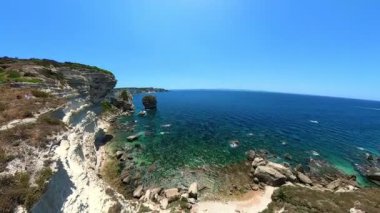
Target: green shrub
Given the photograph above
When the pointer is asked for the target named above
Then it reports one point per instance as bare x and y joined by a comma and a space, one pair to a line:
27, 114
48, 119
125, 95
3, 107
28, 80
53, 75
106, 106
13, 74
40, 94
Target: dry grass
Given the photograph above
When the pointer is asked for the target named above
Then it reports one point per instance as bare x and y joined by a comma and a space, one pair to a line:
19, 103
298, 199
111, 174
33, 134
16, 190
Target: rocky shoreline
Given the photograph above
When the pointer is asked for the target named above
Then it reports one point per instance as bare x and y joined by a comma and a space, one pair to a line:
91, 176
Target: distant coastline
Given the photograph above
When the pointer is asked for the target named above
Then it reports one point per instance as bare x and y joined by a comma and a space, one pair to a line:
138, 90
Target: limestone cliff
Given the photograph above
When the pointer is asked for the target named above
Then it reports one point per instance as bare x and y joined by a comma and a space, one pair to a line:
49, 119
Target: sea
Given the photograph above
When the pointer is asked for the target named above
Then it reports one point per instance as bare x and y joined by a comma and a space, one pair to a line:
193, 129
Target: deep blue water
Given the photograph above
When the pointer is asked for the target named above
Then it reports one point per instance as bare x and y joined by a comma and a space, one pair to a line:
204, 122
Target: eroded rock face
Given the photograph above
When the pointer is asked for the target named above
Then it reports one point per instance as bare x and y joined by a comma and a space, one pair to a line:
123, 100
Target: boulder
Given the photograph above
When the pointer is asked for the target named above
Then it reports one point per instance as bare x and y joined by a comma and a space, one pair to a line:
193, 190
192, 200
270, 176
172, 194
258, 161
119, 154
185, 196
164, 203
251, 154
147, 196
256, 180
303, 178
374, 177
126, 180
299, 168
334, 184
123, 157
284, 170
138, 192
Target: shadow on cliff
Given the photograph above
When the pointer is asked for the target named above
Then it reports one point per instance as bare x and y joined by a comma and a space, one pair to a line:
59, 188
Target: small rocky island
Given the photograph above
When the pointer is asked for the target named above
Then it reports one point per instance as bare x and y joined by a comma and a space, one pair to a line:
57, 155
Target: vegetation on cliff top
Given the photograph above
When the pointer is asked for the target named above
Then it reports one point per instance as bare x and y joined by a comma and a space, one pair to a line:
47, 63
19, 103
302, 199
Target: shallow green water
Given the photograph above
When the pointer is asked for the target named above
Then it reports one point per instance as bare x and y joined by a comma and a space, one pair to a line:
192, 129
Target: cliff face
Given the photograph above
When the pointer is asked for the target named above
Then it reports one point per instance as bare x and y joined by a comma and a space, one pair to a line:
49, 122
62, 79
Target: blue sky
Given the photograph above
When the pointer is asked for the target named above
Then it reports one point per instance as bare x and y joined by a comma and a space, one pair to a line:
323, 47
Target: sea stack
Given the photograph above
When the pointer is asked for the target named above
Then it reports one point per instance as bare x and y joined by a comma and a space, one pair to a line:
149, 102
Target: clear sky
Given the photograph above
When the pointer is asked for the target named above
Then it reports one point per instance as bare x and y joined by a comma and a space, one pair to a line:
323, 47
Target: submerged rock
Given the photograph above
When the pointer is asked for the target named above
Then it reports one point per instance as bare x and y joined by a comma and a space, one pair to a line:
234, 143
143, 113
369, 157
134, 137
287, 156
251, 154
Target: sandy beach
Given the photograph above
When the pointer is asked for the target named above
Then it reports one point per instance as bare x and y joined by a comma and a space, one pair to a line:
252, 202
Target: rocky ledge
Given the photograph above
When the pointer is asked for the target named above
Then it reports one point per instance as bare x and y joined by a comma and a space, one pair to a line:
319, 174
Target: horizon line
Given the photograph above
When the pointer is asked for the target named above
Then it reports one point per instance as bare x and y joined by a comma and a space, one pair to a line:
252, 90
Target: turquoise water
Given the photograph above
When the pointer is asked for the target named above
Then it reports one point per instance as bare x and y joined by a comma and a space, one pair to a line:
191, 129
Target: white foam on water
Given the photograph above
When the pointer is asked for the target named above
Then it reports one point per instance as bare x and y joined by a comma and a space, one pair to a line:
314, 121
314, 153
